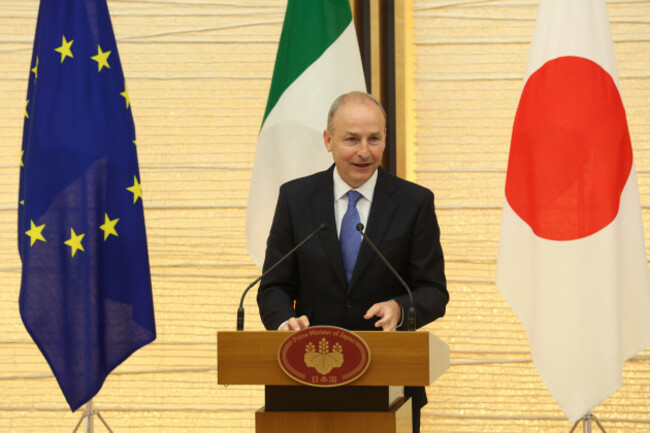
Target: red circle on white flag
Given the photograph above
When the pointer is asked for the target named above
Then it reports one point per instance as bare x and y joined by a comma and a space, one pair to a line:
570, 155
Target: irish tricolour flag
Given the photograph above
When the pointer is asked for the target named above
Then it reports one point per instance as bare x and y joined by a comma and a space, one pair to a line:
318, 59
572, 262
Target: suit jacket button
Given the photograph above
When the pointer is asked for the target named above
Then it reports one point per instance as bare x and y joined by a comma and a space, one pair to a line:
348, 304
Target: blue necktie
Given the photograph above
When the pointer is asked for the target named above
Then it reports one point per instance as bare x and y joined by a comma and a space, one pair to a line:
350, 237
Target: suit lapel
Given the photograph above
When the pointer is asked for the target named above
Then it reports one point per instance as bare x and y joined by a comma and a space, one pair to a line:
321, 204
381, 213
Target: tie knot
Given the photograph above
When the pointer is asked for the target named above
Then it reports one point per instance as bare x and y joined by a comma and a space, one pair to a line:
353, 198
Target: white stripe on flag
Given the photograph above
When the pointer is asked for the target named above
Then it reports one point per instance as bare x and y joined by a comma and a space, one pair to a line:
290, 144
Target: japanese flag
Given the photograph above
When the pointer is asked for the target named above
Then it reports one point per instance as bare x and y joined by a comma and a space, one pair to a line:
572, 262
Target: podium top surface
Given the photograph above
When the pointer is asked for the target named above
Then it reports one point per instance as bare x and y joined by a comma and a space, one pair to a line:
397, 358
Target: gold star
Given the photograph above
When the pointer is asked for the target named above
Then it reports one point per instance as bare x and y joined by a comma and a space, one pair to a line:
26, 104
135, 189
134, 142
22, 202
22, 153
35, 233
125, 94
75, 242
109, 226
64, 49
35, 68
101, 58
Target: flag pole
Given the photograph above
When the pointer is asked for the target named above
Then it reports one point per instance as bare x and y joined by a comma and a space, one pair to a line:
89, 413
586, 420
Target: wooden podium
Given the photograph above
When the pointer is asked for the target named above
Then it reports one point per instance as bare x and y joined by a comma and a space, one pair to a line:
374, 403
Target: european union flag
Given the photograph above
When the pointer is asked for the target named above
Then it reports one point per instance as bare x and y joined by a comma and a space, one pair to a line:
86, 296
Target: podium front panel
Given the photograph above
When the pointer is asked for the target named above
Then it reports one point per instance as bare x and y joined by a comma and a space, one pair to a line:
397, 358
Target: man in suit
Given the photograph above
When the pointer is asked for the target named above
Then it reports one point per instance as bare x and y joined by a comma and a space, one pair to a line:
335, 279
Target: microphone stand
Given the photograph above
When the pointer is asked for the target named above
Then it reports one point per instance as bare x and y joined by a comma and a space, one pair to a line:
240, 310
410, 313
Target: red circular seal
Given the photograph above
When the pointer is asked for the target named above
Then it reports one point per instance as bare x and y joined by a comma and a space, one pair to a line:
324, 356
571, 154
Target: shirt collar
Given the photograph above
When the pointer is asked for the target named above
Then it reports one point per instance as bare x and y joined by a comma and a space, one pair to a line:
367, 190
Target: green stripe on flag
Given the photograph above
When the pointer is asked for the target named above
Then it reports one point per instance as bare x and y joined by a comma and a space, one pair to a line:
310, 27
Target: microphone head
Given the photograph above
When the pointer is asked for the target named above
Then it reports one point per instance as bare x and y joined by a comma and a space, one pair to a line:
360, 227
323, 227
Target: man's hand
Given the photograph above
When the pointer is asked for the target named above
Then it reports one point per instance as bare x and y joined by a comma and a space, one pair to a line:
390, 313
295, 324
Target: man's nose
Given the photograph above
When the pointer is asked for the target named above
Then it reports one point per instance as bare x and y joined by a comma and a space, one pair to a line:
363, 149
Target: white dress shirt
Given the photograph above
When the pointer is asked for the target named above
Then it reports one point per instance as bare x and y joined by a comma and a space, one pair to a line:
367, 190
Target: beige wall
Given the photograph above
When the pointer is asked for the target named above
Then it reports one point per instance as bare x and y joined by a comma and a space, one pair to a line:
198, 74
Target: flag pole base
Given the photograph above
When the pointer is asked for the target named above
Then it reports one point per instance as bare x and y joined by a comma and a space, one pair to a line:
586, 420
89, 413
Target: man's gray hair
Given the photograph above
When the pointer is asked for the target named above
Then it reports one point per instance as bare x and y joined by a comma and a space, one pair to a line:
355, 95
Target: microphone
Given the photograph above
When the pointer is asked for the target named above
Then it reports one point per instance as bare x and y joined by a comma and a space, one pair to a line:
240, 310
410, 314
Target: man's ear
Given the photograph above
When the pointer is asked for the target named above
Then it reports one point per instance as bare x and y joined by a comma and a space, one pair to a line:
327, 138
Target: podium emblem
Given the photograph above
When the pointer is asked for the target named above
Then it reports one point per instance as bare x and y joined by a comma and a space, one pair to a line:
324, 356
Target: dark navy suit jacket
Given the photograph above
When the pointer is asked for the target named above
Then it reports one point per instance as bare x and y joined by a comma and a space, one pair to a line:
402, 224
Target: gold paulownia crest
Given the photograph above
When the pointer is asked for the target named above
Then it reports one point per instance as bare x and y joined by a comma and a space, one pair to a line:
324, 360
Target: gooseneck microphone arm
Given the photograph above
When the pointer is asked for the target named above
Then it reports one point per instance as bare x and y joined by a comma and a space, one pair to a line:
240, 310
410, 314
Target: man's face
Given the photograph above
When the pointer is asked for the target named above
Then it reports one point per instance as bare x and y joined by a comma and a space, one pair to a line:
357, 140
